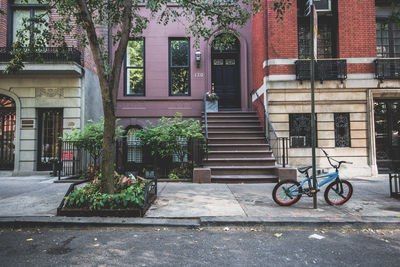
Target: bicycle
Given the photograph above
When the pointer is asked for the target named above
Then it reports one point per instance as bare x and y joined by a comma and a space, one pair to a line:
338, 192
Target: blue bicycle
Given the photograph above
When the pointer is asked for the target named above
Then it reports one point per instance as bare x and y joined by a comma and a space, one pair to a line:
338, 192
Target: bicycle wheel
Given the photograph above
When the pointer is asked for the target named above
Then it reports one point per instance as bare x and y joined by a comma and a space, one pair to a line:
333, 196
281, 196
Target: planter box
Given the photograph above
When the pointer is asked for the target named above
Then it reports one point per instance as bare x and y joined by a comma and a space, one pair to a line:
149, 197
212, 106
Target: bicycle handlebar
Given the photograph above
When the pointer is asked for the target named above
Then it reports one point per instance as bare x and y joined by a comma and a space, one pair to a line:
340, 162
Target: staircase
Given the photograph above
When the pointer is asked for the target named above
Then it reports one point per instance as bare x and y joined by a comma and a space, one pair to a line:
238, 152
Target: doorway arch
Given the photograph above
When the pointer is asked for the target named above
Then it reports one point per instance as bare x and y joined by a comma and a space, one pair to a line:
7, 132
225, 70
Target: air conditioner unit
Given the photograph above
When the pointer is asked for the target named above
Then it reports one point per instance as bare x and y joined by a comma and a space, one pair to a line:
297, 141
323, 5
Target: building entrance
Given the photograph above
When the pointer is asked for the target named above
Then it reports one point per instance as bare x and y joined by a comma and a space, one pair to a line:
387, 130
7, 132
225, 71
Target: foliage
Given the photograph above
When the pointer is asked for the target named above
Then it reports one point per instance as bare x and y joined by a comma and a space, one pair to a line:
92, 171
173, 176
85, 21
180, 172
211, 96
170, 136
90, 138
129, 194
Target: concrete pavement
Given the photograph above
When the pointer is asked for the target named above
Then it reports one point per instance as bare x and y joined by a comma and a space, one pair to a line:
35, 199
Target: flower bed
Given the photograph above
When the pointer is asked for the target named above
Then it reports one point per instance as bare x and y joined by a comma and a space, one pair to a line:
133, 197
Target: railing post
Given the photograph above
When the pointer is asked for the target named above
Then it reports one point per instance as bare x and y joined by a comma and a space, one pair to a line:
59, 161
283, 153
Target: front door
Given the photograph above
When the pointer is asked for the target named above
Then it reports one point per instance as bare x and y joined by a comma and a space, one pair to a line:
387, 130
50, 126
7, 132
225, 74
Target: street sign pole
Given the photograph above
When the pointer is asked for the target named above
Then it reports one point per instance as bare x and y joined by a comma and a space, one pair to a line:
313, 120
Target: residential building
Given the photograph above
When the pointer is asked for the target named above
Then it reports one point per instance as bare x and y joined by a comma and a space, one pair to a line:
357, 88
43, 101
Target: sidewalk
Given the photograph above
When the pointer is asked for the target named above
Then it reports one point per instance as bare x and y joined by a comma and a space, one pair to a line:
30, 199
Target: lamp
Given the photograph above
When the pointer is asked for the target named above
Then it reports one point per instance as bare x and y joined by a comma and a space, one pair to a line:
198, 58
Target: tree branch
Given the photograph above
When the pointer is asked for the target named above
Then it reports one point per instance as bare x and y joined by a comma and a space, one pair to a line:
121, 49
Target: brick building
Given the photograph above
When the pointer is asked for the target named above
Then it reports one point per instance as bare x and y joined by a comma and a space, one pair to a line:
43, 101
357, 88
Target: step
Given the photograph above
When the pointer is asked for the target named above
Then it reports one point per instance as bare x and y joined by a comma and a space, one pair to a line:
231, 118
235, 134
249, 123
239, 154
239, 162
244, 179
214, 129
237, 140
230, 113
238, 147
242, 170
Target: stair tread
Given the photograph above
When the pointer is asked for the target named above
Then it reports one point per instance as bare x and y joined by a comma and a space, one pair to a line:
237, 138
239, 159
238, 145
233, 126
239, 151
241, 167
243, 176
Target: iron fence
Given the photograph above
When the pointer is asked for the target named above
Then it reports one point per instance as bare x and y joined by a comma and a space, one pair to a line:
151, 165
325, 69
387, 68
48, 54
278, 145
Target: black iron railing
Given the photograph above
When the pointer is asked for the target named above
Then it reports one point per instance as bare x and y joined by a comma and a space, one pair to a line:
73, 161
325, 69
387, 68
49, 54
278, 145
148, 165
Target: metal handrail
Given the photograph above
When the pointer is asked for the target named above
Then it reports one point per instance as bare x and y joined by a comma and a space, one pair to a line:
278, 145
205, 115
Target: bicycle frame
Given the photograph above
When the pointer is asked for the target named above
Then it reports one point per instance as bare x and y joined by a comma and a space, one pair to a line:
329, 177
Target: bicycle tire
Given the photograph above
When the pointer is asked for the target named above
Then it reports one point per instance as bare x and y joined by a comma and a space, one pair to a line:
279, 198
331, 192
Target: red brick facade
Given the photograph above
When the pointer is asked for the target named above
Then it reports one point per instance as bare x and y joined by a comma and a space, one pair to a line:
356, 38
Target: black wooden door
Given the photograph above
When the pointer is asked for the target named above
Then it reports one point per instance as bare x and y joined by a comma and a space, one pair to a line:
50, 126
7, 132
226, 79
387, 130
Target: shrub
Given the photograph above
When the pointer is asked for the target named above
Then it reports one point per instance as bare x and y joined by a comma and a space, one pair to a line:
129, 194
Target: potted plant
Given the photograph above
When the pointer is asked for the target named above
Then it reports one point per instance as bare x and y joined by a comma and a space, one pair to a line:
211, 101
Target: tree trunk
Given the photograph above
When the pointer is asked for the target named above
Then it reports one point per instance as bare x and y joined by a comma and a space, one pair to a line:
108, 159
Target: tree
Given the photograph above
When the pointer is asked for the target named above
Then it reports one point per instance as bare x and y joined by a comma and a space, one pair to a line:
124, 19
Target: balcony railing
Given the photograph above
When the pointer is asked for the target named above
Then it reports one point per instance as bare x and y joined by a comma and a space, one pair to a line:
387, 68
49, 54
325, 69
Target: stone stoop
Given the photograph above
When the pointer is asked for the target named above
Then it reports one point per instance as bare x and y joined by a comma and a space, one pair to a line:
238, 152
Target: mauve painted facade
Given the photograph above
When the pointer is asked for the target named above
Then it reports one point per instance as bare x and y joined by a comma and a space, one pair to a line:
136, 110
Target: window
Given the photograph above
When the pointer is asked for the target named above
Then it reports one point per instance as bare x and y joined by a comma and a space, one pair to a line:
300, 130
134, 70
22, 10
326, 33
134, 147
179, 67
387, 39
342, 129
179, 157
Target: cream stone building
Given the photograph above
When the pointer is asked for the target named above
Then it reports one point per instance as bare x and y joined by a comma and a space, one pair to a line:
357, 87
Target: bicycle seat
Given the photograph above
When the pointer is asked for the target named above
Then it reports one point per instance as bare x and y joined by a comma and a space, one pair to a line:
304, 169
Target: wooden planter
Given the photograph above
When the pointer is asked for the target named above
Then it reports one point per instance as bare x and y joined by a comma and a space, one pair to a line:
149, 197
212, 106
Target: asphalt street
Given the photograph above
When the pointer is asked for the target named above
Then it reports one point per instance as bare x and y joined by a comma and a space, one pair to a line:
199, 247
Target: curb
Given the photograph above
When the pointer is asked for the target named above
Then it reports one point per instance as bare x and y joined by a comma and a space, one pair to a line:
294, 222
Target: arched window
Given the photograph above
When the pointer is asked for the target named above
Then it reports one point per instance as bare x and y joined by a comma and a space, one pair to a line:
7, 132
134, 147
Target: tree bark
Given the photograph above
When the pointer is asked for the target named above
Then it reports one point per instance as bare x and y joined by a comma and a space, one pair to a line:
108, 159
